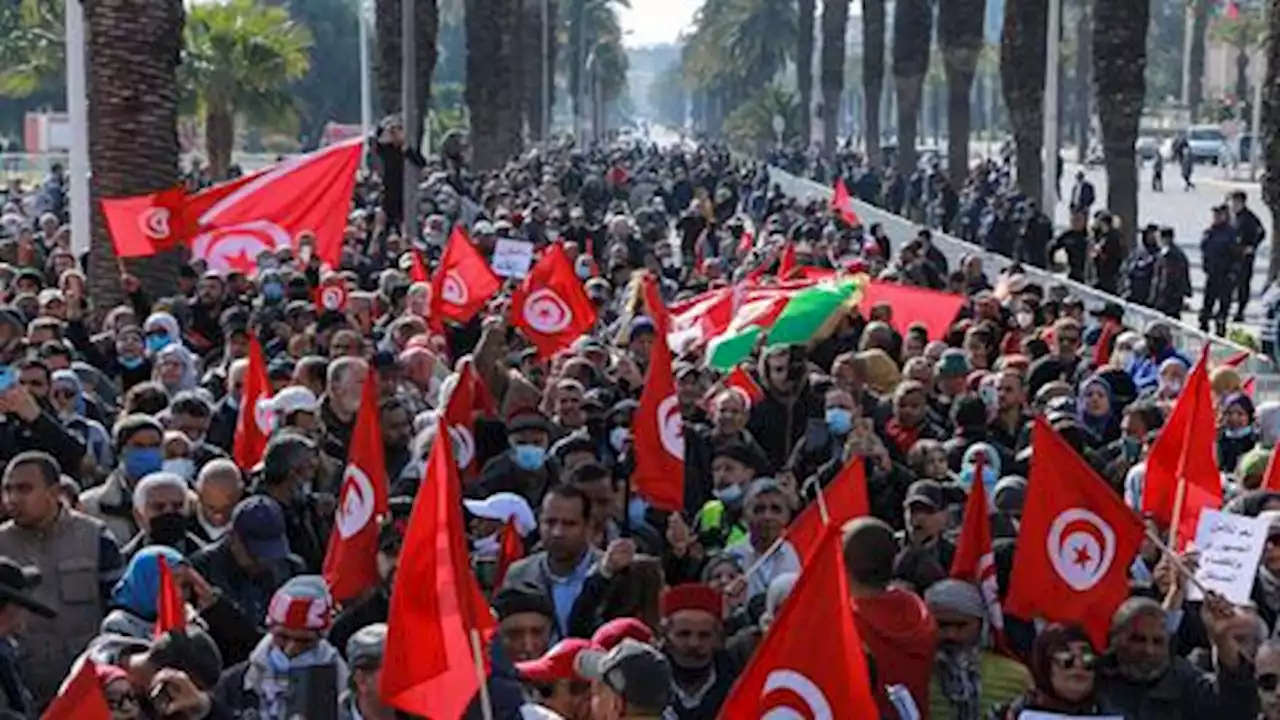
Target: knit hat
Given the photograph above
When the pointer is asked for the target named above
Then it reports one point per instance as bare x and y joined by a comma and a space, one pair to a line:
302, 603
956, 596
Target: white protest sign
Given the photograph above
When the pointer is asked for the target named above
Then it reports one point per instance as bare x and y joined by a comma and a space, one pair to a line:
1037, 715
512, 258
1229, 546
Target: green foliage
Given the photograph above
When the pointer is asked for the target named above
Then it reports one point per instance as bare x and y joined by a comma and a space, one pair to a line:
667, 96
740, 41
749, 126
1245, 31
31, 46
331, 90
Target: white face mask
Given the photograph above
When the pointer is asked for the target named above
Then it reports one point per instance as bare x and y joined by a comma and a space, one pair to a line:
618, 438
184, 468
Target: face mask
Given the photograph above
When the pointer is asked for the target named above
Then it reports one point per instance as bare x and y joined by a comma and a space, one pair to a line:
636, 510
156, 343
233, 402
184, 468
168, 529
618, 438
130, 363
215, 532
839, 420
730, 495
1131, 447
1025, 319
1121, 358
529, 457
486, 547
1237, 433
140, 462
272, 292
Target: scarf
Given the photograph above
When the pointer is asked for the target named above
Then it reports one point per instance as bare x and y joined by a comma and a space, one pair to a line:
268, 673
1270, 585
902, 436
959, 674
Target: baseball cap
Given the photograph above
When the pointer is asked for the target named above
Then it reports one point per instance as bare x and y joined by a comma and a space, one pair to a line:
259, 523
502, 507
555, 664
634, 670
295, 398
927, 492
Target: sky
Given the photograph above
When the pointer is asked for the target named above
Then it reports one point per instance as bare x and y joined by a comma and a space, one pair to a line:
650, 22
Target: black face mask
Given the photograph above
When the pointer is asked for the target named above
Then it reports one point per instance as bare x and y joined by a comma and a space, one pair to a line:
168, 529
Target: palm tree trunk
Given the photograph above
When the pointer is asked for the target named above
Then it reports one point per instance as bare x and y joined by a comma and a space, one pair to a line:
219, 140
133, 127
1199, 36
873, 31
804, 67
578, 62
533, 76
835, 21
1271, 129
1083, 82
388, 26
1119, 65
960, 35
1022, 66
492, 91
912, 40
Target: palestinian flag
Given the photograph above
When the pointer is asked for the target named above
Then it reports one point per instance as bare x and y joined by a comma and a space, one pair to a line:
798, 317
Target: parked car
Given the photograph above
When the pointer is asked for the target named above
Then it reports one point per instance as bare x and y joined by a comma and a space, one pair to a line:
1147, 147
1207, 143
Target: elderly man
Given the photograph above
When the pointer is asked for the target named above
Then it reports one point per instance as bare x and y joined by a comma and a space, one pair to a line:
693, 642
1266, 674
767, 511
362, 700
138, 439
341, 401
728, 426
162, 509
219, 487
526, 619
1143, 679
968, 678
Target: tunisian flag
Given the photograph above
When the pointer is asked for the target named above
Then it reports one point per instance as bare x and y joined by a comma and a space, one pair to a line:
463, 281
81, 697
1183, 454
144, 225
417, 267
1076, 542
469, 396
974, 560
790, 675
843, 204
255, 421
935, 310
171, 612
428, 668
658, 426
845, 498
351, 560
550, 307
231, 223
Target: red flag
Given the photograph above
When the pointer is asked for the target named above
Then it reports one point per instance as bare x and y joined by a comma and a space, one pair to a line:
1271, 478
845, 498
1075, 543
428, 668
746, 242
469, 396
1102, 350
1249, 386
144, 225
742, 380
787, 264
331, 296
843, 204
351, 559
935, 310
171, 612
230, 224
511, 549
1238, 359
255, 421
550, 307
974, 560
658, 426
791, 675
1183, 454
463, 282
417, 268
81, 697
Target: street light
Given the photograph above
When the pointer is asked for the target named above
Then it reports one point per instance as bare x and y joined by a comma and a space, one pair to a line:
78, 116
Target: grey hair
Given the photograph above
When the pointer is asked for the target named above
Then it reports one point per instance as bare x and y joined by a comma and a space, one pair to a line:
155, 481
219, 466
342, 369
1132, 609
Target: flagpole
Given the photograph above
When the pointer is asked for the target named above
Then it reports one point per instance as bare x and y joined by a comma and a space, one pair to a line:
1176, 561
477, 652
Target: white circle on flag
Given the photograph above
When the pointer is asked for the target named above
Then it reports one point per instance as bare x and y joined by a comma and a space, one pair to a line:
453, 289
236, 247
355, 502
464, 445
331, 297
154, 223
264, 415
816, 705
547, 312
671, 426
1081, 547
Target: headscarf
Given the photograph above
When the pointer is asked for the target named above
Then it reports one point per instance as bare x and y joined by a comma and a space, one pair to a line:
1055, 638
959, 669
166, 321
1267, 417
177, 352
69, 377
990, 467
137, 588
1097, 424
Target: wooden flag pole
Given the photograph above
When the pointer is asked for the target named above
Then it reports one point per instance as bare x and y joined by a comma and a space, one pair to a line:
1178, 565
477, 652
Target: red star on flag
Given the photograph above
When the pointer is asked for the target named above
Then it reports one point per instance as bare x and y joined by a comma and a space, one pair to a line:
241, 262
1083, 558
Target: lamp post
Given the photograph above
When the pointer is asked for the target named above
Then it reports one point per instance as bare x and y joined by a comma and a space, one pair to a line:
78, 115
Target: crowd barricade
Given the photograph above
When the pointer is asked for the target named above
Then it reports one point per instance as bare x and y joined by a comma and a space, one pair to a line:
1186, 337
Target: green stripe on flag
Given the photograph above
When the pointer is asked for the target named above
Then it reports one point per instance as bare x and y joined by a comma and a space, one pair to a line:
727, 350
812, 314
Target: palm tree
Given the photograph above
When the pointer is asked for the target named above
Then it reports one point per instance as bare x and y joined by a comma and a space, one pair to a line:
533, 61
912, 39
1082, 82
835, 21
241, 60
804, 64
1195, 78
134, 48
1120, 84
1271, 129
492, 91
589, 23
873, 32
32, 52
960, 36
388, 25
1022, 66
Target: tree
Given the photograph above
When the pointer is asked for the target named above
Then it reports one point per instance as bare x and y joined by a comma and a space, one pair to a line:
492, 90
33, 47
134, 50
750, 126
1195, 80
960, 35
1119, 67
873, 33
389, 24
1271, 130
804, 65
835, 21
912, 40
1022, 66
1243, 31
330, 91
1081, 84
535, 61
241, 59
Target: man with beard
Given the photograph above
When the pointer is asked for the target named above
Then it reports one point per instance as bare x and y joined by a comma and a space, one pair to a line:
693, 641
781, 418
968, 679
374, 607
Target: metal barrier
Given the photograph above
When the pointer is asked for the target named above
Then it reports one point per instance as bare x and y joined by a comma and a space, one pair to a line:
1187, 338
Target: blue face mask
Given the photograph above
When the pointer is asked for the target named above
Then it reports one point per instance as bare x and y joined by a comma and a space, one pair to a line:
636, 510
272, 292
156, 343
529, 457
730, 496
840, 420
131, 363
140, 462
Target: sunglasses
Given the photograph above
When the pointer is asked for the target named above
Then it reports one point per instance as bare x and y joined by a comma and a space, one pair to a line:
1268, 682
122, 701
1068, 660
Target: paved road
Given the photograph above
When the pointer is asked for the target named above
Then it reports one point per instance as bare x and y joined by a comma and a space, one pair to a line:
1187, 212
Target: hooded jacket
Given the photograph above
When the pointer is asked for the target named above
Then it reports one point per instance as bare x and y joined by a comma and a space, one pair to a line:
901, 637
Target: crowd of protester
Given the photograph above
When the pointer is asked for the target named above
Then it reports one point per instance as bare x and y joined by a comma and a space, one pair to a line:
117, 429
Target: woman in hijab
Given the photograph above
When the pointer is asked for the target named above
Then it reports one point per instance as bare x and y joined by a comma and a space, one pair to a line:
133, 599
1097, 412
1063, 666
66, 396
1236, 433
175, 369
